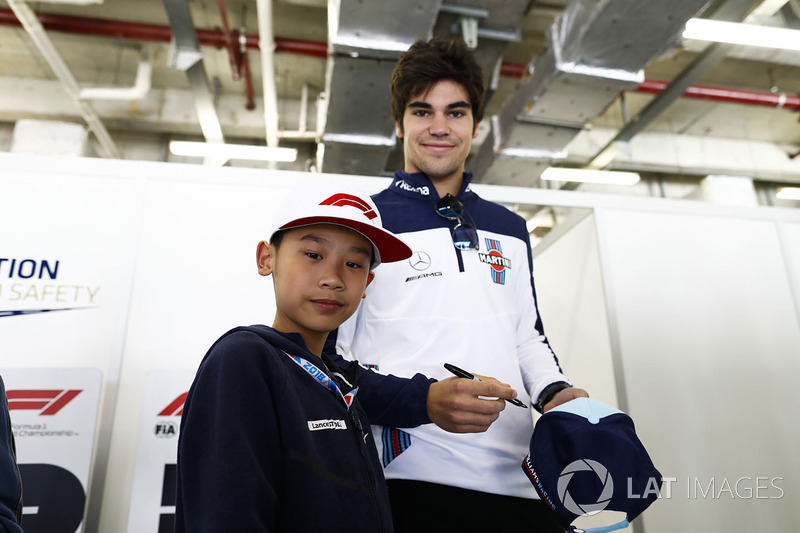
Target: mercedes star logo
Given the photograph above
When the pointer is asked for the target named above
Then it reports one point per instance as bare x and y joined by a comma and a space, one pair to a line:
419, 260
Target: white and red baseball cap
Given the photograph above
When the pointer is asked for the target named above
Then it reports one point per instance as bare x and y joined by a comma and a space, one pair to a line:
343, 205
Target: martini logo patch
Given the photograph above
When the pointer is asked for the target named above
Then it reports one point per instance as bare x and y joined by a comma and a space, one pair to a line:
497, 263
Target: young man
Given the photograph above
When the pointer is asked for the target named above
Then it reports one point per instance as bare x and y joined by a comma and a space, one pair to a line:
465, 297
10, 481
272, 437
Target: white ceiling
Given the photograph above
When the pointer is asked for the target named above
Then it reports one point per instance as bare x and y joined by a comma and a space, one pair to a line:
689, 138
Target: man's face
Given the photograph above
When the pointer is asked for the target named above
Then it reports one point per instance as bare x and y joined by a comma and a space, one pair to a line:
437, 131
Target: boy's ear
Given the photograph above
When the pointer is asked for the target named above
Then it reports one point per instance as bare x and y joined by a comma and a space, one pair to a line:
370, 277
265, 255
398, 129
477, 129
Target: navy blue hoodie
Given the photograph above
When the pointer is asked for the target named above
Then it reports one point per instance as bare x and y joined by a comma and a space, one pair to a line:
266, 446
10, 482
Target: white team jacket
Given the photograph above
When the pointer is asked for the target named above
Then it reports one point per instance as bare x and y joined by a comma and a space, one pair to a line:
475, 309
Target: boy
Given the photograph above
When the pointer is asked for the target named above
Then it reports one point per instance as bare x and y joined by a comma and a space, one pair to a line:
272, 438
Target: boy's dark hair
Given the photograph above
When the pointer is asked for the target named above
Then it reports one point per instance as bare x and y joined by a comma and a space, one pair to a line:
277, 237
428, 62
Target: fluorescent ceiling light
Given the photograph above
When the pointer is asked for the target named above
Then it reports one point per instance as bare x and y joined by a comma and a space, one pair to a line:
788, 193
355, 138
355, 41
233, 151
606, 177
744, 34
533, 153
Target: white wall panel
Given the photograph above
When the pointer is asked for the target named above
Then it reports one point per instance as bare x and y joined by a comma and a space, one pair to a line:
195, 278
84, 229
570, 295
709, 344
790, 239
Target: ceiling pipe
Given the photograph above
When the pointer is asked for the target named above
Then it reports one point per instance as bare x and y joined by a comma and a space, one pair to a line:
267, 46
230, 43
237, 56
248, 78
39, 37
161, 33
704, 92
724, 94
136, 92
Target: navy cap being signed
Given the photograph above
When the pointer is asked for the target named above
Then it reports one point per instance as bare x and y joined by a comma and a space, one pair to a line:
585, 457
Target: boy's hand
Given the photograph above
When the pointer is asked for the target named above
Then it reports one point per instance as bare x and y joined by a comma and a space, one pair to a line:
454, 404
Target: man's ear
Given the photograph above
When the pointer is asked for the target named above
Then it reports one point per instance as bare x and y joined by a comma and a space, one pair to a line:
398, 129
370, 277
265, 255
477, 129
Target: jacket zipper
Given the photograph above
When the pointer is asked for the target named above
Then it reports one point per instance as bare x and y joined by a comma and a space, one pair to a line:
460, 259
359, 435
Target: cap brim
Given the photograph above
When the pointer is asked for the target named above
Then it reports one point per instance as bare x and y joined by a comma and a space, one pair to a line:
388, 247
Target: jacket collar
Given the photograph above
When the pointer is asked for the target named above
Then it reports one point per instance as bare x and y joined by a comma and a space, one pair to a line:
346, 377
419, 185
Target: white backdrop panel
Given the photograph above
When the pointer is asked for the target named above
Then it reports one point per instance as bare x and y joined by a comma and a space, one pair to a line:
84, 229
790, 237
709, 342
569, 289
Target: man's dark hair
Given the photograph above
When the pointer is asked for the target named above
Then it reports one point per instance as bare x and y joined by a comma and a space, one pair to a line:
428, 62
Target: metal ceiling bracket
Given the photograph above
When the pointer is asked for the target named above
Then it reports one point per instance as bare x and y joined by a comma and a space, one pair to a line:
187, 47
469, 30
182, 58
464, 11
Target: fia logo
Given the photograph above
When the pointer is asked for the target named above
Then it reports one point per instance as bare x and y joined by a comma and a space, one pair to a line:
166, 430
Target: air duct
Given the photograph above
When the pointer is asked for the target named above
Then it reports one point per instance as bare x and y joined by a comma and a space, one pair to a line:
365, 39
595, 50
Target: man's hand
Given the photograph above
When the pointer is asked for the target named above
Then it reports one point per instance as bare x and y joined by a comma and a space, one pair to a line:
454, 404
562, 396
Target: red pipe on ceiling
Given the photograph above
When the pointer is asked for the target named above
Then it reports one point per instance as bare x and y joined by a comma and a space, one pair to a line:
739, 96
218, 39
159, 33
234, 55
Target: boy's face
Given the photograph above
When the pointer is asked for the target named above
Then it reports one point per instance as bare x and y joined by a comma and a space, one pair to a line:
437, 131
320, 273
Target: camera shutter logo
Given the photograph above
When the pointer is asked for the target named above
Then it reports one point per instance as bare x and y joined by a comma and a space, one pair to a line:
583, 508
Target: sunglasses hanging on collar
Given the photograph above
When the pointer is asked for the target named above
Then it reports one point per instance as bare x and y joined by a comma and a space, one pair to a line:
465, 236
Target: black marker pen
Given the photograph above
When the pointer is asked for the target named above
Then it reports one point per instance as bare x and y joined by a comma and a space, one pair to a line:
464, 374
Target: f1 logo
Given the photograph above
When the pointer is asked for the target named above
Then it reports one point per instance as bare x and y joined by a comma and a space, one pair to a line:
343, 199
175, 407
47, 401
